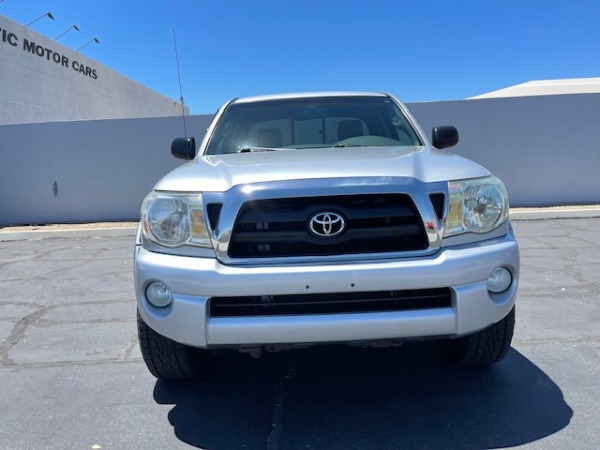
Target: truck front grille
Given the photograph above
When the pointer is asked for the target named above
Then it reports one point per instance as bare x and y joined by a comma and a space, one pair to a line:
374, 223
336, 303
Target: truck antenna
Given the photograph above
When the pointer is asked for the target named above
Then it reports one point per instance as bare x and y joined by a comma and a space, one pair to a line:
180, 88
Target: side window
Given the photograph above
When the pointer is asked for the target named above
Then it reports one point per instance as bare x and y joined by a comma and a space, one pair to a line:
405, 133
224, 140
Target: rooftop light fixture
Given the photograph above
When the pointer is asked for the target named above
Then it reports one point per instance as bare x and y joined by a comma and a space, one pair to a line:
49, 14
65, 32
89, 42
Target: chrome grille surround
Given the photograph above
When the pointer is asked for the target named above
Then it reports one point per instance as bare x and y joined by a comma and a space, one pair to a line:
231, 202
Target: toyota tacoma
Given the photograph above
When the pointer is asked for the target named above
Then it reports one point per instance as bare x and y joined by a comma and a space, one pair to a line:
306, 219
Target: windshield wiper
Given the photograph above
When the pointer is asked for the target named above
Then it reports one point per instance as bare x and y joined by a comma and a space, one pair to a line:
349, 145
257, 149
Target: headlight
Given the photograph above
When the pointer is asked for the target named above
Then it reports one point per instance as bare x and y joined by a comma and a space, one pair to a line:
172, 220
476, 206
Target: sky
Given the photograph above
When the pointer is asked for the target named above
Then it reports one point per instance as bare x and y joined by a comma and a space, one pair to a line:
419, 50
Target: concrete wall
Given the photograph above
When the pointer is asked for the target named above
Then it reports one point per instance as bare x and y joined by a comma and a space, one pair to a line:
546, 150
44, 81
85, 171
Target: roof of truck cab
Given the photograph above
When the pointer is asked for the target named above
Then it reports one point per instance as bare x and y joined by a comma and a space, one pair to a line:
261, 98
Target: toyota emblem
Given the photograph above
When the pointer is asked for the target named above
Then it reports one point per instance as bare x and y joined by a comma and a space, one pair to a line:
327, 224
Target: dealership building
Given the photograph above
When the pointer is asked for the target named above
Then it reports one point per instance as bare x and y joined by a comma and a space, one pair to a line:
44, 81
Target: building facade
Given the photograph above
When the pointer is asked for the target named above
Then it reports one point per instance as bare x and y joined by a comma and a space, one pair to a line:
44, 81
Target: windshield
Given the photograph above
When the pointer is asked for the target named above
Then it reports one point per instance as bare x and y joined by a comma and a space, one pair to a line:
311, 123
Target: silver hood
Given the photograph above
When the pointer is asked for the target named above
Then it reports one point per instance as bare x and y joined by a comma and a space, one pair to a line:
219, 173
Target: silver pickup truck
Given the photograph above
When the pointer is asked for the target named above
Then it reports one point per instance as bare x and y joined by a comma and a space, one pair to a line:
322, 218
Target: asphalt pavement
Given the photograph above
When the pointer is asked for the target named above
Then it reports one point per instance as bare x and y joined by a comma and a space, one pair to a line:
72, 377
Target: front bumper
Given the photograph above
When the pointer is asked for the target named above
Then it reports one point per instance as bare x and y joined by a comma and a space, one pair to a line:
193, 281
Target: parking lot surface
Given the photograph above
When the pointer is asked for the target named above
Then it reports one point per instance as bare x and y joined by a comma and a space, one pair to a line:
72, 377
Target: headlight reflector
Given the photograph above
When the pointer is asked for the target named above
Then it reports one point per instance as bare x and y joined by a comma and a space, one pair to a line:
172, 220
476, 206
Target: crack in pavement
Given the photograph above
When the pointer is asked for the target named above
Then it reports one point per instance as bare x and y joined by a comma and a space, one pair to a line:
582, 340
17, 333
125, 353
274, 437
89, 362
35, 318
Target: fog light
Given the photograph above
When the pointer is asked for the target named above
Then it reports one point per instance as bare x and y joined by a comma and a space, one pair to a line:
500, 280
158, 294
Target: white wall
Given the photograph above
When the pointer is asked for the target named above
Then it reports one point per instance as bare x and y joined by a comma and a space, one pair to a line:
85, 171
546, 150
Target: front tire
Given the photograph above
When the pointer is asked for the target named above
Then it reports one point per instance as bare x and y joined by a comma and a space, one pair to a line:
167, 359
483, 348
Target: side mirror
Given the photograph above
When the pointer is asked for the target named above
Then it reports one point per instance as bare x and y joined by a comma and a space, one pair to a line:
184, 148
442, 137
